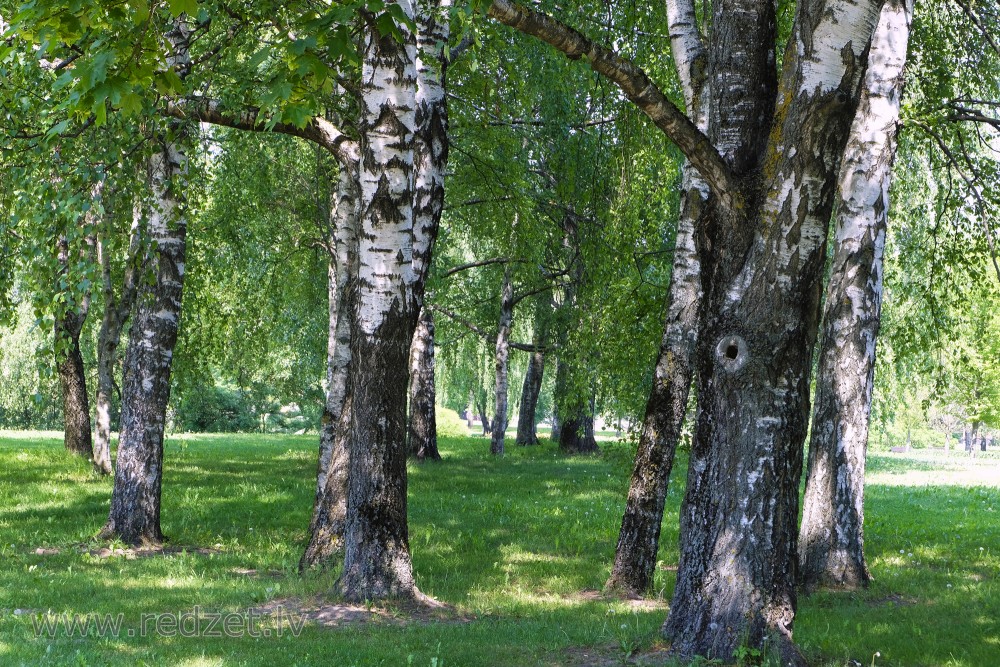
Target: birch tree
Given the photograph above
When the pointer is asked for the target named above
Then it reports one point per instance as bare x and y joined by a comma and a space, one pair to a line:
135, 501
770, 160
831, 543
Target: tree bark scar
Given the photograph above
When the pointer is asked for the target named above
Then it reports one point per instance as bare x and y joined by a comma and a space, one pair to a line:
732, 353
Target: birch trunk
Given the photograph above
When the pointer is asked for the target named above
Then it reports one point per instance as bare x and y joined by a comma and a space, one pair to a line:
831, 536
501, 358
77, 436
762, 268
135, 502
576, 435
423, 424
532, 388
377, 561
116, 313
326, 529
639, 538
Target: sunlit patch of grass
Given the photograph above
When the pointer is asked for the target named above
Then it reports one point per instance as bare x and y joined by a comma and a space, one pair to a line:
511, 542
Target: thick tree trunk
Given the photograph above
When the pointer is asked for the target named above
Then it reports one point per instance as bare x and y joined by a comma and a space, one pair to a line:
384, 309
135, 502
762, 269
577, 433
326, 529
116, 313
831, 536
639, 537
423, 424
532, 388
502, 356
77, 436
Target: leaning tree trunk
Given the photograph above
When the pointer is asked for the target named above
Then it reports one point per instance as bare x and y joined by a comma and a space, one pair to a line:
77, 435
484, 420
831, 536
639, 537
422, 435
116, 313
532, 388
326, 529
135, 502
502, 357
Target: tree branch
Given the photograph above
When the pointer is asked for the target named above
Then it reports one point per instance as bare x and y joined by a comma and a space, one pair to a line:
524, 347
319, 130
485, 262
634, 82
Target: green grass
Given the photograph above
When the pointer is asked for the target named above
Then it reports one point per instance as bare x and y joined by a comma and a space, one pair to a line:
511, 542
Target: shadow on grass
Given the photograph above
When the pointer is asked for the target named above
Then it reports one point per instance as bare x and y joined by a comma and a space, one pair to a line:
512, 542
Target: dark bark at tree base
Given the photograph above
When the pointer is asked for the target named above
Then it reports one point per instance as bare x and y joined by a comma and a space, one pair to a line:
77, 435
527, 433
134, 517
377, 562
326, 529
422, 430
577, 436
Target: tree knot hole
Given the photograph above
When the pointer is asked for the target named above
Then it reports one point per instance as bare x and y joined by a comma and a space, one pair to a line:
732, 353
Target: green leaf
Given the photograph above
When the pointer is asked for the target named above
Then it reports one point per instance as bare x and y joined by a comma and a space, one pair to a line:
178, 7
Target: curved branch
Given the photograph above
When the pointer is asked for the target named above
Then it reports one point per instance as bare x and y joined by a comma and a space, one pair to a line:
633, 81
318, 130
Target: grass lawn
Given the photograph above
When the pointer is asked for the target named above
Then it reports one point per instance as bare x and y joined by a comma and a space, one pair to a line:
512, 544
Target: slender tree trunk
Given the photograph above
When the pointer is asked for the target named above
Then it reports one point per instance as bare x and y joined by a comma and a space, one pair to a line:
135, 502
484, 420
532, 388
530, 392
502, 357
116, 313
326, 529
77, 436
423, 424
639, 537
831, 536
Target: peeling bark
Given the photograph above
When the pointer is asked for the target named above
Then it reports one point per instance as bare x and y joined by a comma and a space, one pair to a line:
502, 357
135, 502
423, 425
831, 537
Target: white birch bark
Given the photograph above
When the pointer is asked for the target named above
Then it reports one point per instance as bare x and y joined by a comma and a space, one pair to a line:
135, 502
117, 309
377, 560
831, 537
501, 359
